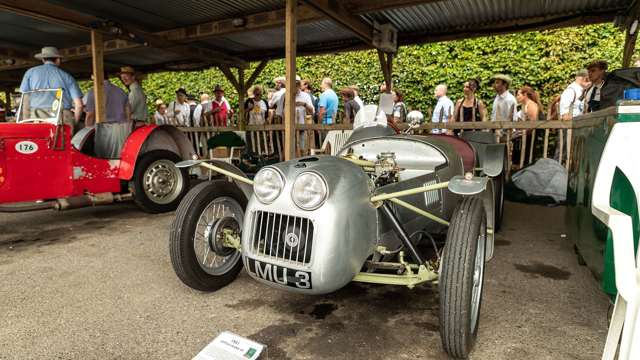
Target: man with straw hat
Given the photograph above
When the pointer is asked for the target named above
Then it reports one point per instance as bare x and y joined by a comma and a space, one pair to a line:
504, 105
50, 76
137, 98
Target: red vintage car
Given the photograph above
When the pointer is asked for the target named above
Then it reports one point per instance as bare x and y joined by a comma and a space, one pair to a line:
43, 166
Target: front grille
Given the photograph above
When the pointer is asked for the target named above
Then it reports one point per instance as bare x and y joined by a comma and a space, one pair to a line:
283, 237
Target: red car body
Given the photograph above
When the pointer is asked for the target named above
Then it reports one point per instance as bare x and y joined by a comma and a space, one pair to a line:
33, 168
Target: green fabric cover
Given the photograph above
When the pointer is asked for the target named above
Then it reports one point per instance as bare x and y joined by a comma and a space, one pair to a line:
226, 139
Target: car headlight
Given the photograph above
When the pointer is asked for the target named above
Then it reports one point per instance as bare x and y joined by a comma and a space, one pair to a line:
267, 185
309, 191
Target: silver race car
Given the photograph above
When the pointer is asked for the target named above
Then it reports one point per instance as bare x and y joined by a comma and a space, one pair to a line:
391, 208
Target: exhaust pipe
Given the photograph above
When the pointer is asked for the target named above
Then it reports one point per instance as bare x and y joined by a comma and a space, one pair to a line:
73, 202
76, 202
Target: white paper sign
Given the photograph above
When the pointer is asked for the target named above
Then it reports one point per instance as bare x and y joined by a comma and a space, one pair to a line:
229, 346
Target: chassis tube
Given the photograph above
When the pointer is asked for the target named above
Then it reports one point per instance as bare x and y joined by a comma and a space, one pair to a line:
386, 209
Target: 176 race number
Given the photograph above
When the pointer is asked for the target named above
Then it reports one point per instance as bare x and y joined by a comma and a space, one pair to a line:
26, 147
279, 274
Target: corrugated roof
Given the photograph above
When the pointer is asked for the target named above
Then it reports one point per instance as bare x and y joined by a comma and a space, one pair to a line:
433, 19
440, 16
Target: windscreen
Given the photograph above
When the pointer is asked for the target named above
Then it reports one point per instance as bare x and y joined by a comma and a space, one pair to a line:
40, 106
370, 115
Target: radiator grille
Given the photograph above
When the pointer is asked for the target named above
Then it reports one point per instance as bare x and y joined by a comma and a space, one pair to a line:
284, 237
433, 196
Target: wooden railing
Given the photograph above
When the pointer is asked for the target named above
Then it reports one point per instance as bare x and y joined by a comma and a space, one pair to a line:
532, 139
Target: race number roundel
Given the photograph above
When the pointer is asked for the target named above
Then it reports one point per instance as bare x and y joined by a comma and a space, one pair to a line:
26, 147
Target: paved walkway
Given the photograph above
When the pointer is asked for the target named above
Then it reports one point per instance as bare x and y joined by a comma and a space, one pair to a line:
97, 284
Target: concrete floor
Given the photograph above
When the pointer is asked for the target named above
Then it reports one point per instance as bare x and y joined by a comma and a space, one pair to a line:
98, 284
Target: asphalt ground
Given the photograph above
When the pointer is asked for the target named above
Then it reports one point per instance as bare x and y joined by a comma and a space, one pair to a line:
97, 283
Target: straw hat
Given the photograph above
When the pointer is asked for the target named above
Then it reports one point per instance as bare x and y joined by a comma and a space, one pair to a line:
127, 70
503, 77
49, 52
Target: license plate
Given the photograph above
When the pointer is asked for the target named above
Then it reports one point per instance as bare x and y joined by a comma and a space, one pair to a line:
279, 274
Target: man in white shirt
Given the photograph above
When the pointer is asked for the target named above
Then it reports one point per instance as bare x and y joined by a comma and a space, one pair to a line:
504, 105
443, 110
197, 112
277, 96
304, 104
570, 100
178, 110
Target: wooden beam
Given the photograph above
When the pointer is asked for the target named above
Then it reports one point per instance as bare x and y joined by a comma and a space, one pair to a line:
276, 18
335, 11
51, 13
226, 71
97, 52
290, 94
256, 72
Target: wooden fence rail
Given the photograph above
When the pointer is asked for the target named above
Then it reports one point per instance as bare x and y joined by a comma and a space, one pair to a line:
532, 139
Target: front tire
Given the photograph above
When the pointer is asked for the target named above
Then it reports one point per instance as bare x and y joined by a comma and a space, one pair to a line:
198, 257
462, 277
158, 185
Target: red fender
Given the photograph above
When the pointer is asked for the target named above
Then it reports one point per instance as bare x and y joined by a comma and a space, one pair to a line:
148, 138
131, 149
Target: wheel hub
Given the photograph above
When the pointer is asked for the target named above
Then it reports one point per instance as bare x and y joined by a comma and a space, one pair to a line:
216, 236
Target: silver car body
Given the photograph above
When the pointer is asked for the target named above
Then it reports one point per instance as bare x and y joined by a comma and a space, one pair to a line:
346, 229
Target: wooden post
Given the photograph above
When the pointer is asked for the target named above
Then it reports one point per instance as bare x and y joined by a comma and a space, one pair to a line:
7, 105
242, 92
290, 61
629, 47
523, 148
97, 53
569, 133
385, 64
533, 142
546, 143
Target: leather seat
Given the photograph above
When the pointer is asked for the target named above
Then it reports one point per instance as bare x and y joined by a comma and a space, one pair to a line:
463, 148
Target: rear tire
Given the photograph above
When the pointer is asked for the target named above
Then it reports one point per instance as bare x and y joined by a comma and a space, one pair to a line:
158, 185
461, 278
191, 229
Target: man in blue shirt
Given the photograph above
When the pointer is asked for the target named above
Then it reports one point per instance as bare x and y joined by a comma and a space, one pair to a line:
328, 103
117, 107
50, 76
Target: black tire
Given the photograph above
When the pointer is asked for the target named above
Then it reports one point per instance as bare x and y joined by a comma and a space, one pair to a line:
137, 185
498, 190
181, 241
458, 328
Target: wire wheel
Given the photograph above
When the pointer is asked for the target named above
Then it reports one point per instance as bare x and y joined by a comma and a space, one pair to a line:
213, 256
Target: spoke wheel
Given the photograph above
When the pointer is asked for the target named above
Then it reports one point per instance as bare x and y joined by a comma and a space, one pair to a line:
213, 256
200, 256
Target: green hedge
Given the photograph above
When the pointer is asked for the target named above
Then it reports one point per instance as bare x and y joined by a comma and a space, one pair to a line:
544, 60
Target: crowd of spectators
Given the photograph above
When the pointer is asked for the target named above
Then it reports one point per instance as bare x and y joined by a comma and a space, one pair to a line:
265, 105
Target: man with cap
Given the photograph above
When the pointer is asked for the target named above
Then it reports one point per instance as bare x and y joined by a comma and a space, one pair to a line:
137, 98
50, 76
504, 105
179, 110
275, 98
218, 109
570, 99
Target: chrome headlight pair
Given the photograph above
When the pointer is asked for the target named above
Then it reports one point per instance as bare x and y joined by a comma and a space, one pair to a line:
309, 189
